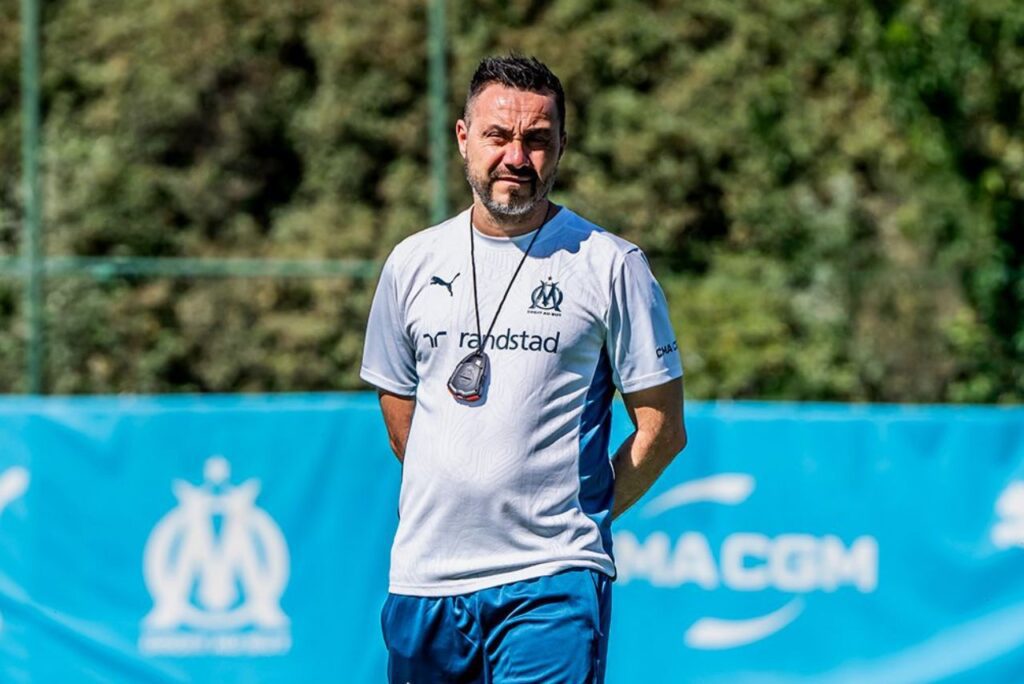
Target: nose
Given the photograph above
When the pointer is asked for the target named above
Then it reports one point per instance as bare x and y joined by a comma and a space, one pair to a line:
515, 154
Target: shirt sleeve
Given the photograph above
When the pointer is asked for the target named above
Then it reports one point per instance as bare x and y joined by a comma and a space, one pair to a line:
389, 357
642, 347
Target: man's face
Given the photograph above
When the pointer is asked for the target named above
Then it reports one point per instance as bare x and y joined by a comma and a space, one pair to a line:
511, 144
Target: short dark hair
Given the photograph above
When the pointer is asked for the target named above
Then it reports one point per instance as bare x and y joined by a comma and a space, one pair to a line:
521, 73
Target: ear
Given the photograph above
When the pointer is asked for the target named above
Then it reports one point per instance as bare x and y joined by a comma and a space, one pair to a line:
563, 141
461, 135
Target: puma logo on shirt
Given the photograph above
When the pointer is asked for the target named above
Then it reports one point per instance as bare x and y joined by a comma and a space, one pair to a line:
436, 280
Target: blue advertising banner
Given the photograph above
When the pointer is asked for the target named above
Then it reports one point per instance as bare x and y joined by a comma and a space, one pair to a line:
809, 543
194, 539
246, 539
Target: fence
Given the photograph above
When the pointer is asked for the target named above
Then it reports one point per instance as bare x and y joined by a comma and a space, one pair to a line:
33, 267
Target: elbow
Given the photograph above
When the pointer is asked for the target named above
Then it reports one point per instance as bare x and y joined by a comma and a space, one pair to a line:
663, 440
675, 440
682, 441
667, 442
679, 442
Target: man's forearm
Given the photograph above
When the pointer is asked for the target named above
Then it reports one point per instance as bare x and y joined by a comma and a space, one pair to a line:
397, 411
639, 462
657, 413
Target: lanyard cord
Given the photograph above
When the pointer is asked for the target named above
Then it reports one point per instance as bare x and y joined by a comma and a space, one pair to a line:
472, 258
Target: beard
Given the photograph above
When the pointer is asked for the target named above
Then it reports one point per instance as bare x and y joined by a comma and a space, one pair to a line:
521, 201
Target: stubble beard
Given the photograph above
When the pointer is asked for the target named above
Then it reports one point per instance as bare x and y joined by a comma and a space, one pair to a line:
518, 206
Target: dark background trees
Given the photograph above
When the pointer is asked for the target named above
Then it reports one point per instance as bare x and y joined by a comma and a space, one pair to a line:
832, 193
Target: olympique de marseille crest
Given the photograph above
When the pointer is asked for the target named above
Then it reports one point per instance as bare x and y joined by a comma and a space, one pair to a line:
216, 566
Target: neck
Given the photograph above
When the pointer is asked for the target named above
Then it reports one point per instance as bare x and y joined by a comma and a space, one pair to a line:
487, 224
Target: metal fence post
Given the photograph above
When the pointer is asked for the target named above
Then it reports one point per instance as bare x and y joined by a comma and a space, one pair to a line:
31, 251
438, 110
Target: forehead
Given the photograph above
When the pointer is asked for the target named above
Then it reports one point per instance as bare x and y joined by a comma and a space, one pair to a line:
499, 104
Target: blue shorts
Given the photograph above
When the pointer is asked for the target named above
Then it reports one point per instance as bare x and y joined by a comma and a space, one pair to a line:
548, 629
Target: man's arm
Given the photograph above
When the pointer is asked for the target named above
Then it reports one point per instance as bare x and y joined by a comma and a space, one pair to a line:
397, 412
660, 434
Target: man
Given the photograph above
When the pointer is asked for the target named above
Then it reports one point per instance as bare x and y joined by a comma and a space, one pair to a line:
496, 341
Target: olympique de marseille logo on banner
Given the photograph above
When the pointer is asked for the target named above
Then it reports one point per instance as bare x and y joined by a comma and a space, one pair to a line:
216, 566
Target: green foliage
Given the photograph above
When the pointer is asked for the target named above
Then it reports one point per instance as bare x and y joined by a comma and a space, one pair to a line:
832, 193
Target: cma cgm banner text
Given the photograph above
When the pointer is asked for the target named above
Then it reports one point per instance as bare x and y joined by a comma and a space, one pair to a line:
235, 539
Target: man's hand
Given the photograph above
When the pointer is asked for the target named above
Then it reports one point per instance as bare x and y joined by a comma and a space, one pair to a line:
397, 412
660, 434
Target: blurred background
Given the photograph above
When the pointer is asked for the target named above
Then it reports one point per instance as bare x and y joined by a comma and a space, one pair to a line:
832, 193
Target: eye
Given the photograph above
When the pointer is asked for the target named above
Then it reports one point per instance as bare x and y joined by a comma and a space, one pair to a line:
538, 139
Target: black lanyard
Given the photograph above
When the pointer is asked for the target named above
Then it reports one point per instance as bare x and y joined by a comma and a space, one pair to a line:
468, 380
472, 260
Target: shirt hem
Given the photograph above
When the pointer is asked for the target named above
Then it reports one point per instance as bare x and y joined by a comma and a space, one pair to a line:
386, 384
468, 586
650, 380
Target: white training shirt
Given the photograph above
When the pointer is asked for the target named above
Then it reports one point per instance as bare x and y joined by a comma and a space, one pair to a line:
519, 484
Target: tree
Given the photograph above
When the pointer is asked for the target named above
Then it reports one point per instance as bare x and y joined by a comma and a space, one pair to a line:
831, 193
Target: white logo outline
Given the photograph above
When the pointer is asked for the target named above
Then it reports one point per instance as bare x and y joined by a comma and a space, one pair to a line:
724, 488
216, 592
1008, 531
14, 483
710, 633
